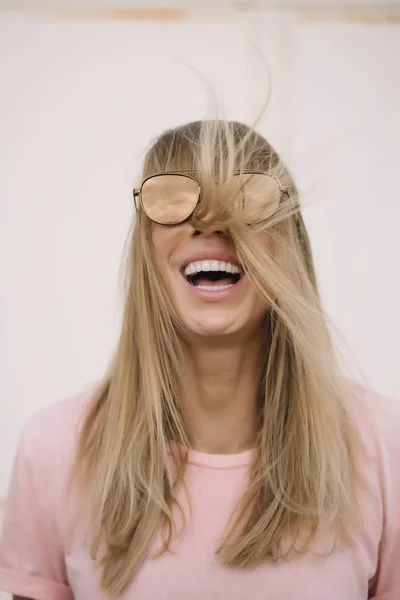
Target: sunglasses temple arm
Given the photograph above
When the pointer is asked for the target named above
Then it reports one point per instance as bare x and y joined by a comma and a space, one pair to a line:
135, 195
295, 214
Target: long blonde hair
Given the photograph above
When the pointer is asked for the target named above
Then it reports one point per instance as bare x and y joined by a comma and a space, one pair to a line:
303, 469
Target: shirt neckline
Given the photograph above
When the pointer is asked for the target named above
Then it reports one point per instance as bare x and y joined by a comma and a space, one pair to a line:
219, 461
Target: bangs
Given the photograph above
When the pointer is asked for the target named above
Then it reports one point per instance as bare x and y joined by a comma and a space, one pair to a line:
212, 148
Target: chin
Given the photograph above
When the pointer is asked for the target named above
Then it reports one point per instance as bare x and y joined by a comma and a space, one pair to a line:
214, 326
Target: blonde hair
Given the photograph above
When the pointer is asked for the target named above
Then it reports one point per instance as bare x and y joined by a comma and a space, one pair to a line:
302, 476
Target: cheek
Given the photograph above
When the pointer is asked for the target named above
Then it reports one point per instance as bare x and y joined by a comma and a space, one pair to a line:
162, 243
165, 242
158, 238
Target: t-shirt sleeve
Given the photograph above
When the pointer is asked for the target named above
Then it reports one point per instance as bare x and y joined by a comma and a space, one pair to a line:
31, 556
386, 583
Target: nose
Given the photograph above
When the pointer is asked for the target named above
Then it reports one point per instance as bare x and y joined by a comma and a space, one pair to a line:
209, 231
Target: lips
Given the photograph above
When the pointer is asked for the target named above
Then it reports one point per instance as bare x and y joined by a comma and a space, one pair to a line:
212, 274
211, 271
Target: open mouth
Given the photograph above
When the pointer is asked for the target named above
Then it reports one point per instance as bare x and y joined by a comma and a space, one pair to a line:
212, 275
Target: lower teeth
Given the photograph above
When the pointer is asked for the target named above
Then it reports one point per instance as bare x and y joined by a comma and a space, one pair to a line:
212, 288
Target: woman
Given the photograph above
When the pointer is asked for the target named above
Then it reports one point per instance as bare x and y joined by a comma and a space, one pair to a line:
223, 456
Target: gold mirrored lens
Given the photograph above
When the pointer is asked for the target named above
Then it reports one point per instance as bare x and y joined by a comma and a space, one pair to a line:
258, 194
169, 199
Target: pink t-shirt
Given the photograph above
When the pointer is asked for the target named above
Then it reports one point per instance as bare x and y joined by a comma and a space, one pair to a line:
37, 562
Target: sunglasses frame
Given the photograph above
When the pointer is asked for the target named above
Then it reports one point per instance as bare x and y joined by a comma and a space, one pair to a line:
137, 193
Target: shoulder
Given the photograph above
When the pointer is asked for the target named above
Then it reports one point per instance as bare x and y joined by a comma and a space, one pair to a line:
376, 418
52, 431
44, 453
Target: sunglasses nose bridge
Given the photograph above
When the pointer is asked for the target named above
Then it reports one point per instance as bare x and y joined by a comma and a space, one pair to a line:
209, 213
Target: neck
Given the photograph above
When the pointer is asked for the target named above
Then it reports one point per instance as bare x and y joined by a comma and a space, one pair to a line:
220, 397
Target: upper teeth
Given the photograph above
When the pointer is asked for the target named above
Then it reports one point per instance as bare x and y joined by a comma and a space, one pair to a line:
210, 265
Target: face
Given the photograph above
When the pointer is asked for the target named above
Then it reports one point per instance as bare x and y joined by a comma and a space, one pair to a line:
207, 286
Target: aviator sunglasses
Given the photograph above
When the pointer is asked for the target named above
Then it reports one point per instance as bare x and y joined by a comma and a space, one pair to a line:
172, 198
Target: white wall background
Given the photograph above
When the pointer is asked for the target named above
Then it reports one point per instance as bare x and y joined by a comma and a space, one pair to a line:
79, 102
